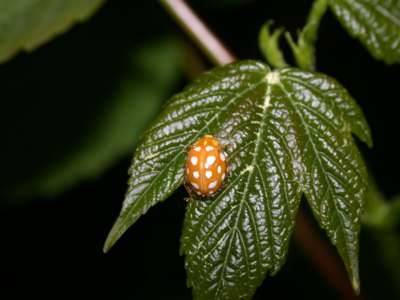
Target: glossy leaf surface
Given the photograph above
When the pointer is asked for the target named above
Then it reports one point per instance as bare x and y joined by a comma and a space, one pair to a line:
286, 132
376, 23
26, 24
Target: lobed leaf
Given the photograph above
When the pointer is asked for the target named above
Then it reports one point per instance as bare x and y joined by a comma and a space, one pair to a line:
287, 132
376, 23
157, 167
26, 24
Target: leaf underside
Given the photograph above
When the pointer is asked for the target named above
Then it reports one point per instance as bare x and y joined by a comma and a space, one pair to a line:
27, 24
287, 132
376, 23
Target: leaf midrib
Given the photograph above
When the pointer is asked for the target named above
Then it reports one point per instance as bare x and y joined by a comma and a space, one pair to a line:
253, 165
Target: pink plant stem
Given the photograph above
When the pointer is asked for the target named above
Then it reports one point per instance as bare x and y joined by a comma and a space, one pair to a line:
198, 31
322, 256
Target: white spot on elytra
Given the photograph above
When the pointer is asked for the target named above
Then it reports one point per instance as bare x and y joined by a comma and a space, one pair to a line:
273, 78
194, 160
196, 174
222, 156
197, 149
219, 169
212, 184
209, 161
208, 174
223, 177
195, 185
209, 148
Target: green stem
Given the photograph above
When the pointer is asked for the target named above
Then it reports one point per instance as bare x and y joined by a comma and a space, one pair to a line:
304, 50
318, 10
269, 45
198, 31
380, 214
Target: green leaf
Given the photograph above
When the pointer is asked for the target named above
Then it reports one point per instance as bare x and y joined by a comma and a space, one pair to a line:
376, 23
114, 128
304, 50
233, 240
269, 45
27, 24
287, 132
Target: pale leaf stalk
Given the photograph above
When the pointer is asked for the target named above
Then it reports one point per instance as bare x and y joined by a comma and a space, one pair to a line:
198, 31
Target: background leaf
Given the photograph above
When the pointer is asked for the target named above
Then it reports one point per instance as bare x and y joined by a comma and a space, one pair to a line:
376, 23
26, 24
287, 132
113, 126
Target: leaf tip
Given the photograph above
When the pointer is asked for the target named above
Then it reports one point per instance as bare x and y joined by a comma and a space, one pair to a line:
355, 282
369, 142
353, 272
365, 135
114, 235
108, 244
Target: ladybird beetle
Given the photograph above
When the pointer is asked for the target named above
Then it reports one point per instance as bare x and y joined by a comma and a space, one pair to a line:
206, 166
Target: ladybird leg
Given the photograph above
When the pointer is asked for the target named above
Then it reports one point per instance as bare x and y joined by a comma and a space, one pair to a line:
191, 193
188, 189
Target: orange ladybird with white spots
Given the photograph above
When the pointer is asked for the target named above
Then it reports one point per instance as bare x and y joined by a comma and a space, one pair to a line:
206, 166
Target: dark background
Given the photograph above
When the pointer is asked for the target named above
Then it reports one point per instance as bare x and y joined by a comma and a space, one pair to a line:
52, 247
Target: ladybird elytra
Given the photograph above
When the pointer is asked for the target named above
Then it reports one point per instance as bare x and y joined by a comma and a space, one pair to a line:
206, 166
